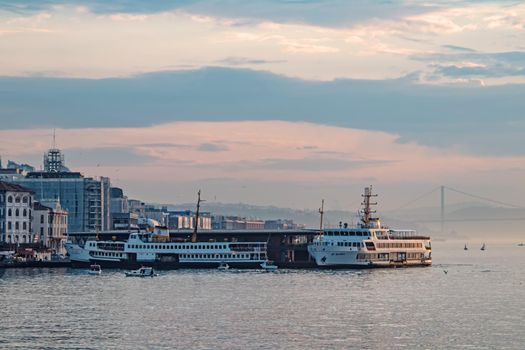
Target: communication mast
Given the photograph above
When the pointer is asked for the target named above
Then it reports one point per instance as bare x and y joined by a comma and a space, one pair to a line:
367, 203
53, 159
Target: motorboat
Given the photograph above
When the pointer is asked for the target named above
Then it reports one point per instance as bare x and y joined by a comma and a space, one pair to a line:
223, 266
142, 272
269, 266
95, 269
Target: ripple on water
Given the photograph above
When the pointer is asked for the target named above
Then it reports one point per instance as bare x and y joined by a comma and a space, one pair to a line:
245, 309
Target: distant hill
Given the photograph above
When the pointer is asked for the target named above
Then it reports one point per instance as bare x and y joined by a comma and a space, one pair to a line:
424, 220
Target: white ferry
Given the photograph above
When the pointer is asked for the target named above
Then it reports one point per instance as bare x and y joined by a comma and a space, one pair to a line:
369, 244
147, 248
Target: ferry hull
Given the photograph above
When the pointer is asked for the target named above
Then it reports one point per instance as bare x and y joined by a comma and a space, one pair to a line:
348, 260
375, 265
162, 265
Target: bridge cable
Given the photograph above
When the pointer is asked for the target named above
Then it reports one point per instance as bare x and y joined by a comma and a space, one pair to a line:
485, 198
417, 198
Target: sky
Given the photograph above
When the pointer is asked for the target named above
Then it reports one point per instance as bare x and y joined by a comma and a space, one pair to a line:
277, 102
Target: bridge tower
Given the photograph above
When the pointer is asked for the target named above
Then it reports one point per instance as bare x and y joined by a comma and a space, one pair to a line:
442, 209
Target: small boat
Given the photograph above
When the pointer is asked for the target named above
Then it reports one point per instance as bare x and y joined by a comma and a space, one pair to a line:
142, 272
483, 246
521, 245
223, 266
269, 266
465, 247
95, 269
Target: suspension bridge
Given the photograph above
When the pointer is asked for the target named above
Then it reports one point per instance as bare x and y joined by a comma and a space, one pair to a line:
444, 190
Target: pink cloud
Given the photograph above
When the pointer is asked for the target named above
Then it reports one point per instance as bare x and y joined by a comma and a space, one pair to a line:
258, 150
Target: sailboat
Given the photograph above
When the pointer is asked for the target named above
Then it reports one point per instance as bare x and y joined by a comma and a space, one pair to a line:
465, 247
483, 246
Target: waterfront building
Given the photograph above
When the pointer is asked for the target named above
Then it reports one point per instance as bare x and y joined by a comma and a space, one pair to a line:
160, 215
136, 206
119, 202
50, 224
24, 168
16, 203
185, 219
281, 224
10, 174
236, 223
124, 221
86, 199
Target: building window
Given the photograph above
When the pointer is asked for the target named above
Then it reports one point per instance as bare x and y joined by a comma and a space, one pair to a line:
17, 199
24, 200
17, 212
17, 225
10, 199
24, 225
25, 213
42, 219
9, 227
9, 212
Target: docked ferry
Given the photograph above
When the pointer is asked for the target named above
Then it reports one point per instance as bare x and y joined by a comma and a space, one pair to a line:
370, 244
157, 250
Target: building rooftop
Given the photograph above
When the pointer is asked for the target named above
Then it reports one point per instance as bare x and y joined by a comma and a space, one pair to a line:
55, 175
39, 206
7, 186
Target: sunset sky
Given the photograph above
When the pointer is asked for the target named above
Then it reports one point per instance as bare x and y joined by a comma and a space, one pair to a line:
270, 102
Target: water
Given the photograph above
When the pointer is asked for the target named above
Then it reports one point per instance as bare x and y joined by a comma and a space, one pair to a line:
478, 304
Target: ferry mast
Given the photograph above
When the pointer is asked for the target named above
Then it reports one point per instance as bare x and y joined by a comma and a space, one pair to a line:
321, 211
367, 203
195, 227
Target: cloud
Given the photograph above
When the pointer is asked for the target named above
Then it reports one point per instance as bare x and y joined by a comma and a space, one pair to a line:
262, 152
241, 61
477, 64
324, 13
212, 147
477, 70
458, 48
431, 115
105, 156
315, 164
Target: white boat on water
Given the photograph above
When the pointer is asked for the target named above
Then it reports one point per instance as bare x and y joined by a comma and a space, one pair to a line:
95, 269
223, 266
370, 244
269, 266
153, 249
142, 272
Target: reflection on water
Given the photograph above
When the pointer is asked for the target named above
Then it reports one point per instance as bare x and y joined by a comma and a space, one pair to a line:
477, 304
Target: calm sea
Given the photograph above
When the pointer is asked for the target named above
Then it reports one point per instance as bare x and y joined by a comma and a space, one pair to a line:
478, 304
